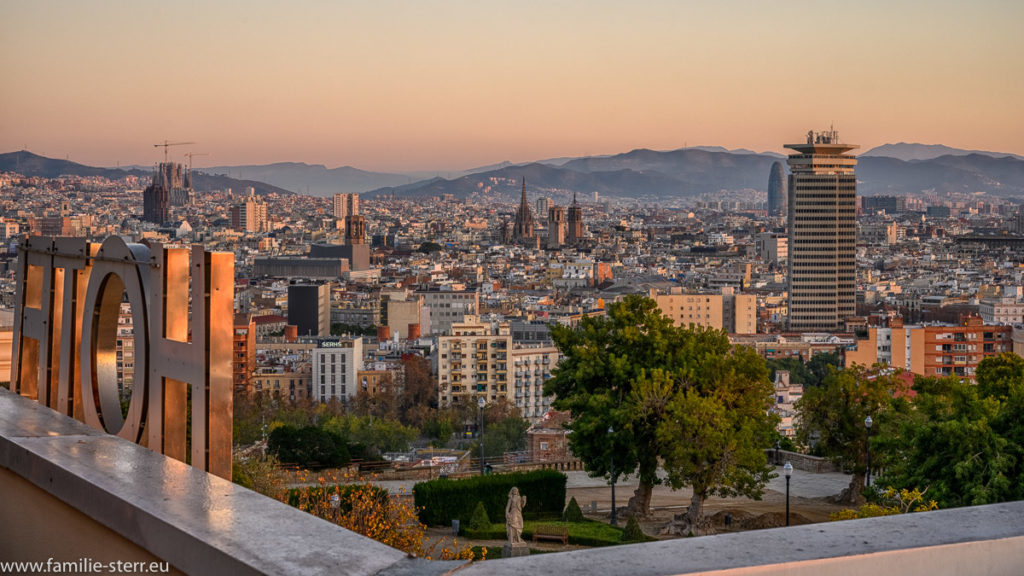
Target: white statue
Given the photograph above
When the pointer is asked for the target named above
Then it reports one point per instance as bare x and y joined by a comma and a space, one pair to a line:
514, 516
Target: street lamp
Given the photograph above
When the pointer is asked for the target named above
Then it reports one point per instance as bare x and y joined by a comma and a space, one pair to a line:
788, 471
778, 445
480, 402
867, 448
611, 460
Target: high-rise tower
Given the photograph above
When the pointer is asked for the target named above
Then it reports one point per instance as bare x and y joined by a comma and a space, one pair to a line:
522, 231
822, 222
777, 190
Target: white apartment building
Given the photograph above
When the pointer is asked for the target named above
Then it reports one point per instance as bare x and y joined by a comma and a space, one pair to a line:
335, 365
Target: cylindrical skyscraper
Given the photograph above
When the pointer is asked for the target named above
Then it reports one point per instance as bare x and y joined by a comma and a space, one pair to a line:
777, 190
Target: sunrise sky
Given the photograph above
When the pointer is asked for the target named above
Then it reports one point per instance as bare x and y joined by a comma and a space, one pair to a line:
414, 85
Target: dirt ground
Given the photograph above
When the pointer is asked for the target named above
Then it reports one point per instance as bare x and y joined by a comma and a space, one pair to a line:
665, 504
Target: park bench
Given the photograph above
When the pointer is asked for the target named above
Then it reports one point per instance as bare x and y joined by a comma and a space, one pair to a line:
548, 532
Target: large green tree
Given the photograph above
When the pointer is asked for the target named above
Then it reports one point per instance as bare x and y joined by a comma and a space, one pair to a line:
634, 373
962, 442
832, 419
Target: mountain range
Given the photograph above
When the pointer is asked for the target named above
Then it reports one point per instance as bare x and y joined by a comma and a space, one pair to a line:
313, 179
913, 151
642, 173
28, 164
691, 172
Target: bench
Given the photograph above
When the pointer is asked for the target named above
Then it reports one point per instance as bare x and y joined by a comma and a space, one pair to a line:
548, 532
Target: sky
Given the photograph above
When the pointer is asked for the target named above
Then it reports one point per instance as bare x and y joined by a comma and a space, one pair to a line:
416, 85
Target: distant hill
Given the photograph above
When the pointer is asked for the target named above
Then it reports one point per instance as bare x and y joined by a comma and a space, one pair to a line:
642, 173
637, 174
970, 173
314, 179
913, 151
29, 164
693, 171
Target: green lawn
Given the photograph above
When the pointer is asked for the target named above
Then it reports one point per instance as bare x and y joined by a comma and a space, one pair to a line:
586, 533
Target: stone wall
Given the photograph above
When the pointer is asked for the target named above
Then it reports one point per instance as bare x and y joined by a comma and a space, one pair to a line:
804, 462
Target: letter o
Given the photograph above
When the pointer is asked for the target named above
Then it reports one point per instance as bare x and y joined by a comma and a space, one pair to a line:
117, 268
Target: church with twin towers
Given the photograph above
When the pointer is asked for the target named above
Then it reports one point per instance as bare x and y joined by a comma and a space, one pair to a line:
561, 231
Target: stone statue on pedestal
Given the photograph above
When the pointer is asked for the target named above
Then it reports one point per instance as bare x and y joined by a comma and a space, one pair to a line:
514, 525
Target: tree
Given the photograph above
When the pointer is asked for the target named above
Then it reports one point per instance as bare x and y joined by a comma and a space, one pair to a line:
716, 427
417, 400
832, 417
373, 436
962, 442
798, 372
505, 435
636, 373
380, 404
308, 446
819, 366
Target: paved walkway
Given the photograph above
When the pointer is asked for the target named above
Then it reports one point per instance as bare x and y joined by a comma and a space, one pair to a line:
802, 484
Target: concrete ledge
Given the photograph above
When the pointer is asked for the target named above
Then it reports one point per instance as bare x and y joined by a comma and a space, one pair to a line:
199, 523
202, 524
976, 540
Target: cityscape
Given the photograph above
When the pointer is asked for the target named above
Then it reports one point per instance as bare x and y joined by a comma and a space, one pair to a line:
512, 329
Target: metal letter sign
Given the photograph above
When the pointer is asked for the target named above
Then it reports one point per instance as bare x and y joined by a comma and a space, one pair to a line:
69, 295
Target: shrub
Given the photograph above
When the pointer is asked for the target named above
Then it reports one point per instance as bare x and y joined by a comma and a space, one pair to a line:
443, 500
322, 495
479, 521
572, 512
632, 532
308, 446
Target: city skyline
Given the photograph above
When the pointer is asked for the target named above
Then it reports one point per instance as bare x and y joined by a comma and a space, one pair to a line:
394, 87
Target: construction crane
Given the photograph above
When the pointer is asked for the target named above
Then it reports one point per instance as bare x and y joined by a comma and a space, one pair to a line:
167, 145
189, 155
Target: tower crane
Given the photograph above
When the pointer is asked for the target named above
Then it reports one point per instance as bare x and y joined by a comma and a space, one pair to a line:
167, 145
189, 155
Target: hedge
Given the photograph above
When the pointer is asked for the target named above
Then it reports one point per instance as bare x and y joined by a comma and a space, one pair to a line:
443, 500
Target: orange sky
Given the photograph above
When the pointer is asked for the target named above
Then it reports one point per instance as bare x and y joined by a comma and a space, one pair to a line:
449, 85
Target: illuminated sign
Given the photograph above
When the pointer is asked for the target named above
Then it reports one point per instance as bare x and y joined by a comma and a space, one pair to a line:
65, 355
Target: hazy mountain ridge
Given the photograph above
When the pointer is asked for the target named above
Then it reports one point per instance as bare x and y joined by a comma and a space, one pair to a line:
640, 173
909, 151
314, 179
694, 171
33, 165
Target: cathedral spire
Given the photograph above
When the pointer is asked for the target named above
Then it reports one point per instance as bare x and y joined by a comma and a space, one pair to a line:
523, 201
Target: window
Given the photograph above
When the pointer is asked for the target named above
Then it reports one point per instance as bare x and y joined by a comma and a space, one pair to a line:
543, 445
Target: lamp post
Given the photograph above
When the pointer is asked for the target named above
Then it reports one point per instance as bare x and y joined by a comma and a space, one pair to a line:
611, 460
788, 471
778, 445
480, 402
867, 447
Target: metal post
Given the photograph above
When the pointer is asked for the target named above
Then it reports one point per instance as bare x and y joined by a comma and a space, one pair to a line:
787, 471
480, 403
867, 448
787, 500
611, 460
